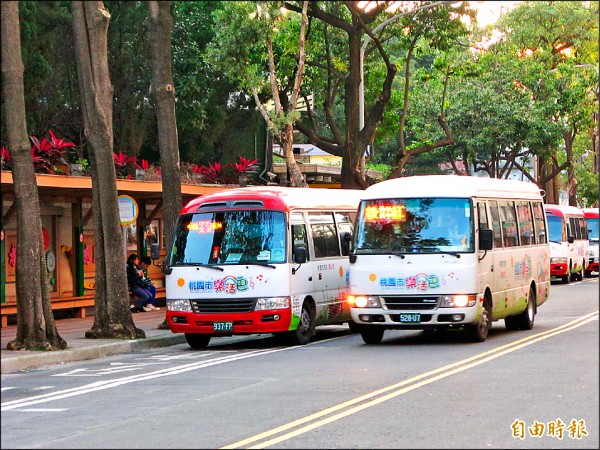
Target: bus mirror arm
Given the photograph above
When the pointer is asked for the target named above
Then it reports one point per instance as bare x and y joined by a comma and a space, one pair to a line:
299, 257
486, 239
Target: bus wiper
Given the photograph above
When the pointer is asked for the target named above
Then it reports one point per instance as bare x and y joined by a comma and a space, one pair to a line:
259, 264
445, 252
450, 253
555, 242
402, 255
199, 264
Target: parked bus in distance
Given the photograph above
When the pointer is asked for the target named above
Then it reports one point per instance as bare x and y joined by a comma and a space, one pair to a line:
260, 260
591, 217
438, 252
569, 245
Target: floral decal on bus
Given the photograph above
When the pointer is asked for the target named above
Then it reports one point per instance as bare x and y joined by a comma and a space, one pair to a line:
420, 282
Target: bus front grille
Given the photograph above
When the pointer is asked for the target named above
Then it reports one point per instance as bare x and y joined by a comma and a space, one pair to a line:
222, 305
411, 302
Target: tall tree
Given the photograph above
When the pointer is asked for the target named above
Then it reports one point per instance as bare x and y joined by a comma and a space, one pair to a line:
337, 72
113, 316
247, 53
35, 321
161, 24
557, 45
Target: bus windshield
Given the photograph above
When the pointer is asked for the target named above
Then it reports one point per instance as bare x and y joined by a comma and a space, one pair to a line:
414, 225
556, 229
231, 237
592, 224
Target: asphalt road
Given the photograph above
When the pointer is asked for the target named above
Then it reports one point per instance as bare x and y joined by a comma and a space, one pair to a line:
518, 389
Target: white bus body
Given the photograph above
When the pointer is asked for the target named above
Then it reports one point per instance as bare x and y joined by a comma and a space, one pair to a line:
260, 260
412, 267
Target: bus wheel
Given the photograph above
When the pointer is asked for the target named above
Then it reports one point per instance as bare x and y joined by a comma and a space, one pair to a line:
523, 321
306, 327
197, 341
354, 327
479, 332
371, 335
566, 278
580, 273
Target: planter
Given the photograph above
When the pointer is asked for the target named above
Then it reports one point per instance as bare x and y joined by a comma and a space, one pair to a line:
77, 170
140, 174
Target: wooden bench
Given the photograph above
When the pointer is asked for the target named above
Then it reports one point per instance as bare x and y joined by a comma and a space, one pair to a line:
78, 304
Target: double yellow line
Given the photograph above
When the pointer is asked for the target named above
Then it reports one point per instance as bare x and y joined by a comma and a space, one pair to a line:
337, 412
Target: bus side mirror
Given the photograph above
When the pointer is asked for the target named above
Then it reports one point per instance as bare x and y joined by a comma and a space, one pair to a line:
486, 239
154, 252
570, 239
346, 238
299, 254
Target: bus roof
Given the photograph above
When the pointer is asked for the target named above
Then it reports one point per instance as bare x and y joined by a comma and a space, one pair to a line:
563, 210
452, 186
278, 198
591, 213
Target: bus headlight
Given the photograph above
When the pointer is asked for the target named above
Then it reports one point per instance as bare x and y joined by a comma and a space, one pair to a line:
558, 260
458, 301
272, 303
181, 305
362, 301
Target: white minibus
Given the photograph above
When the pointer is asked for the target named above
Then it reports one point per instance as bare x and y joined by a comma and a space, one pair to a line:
437, 252
569, 245
260, 260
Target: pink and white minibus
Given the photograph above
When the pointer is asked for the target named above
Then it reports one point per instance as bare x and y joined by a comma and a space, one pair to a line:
569, 245
260, 260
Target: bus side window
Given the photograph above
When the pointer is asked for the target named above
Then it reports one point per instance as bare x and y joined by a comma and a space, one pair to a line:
299, 238
496, 227
324, 233
509, 225
344, 224
540, 224
525, 223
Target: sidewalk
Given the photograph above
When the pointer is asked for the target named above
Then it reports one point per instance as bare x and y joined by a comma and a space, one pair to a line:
79, 348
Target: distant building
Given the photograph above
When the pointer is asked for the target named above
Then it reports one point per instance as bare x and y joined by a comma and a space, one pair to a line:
318, 166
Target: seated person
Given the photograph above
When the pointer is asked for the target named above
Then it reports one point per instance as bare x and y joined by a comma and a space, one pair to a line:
146, 262
135, 276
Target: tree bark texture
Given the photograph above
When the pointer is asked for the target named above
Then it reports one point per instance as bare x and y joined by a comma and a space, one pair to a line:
36, 329
113, 316
163, 89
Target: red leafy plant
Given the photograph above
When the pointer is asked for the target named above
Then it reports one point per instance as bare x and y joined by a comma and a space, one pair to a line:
217, 173
5, 159
50, 156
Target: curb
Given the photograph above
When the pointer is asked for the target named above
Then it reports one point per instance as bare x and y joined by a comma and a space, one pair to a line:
40, 359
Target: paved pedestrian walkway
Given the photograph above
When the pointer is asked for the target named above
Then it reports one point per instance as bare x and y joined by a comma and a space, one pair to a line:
79, 348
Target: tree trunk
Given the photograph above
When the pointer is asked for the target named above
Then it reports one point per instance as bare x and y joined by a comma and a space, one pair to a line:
163, 90
36, 329
113, 316
161, 24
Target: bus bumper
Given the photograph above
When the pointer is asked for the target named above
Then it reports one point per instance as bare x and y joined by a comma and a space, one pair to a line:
559, 269
441, 317
269, 321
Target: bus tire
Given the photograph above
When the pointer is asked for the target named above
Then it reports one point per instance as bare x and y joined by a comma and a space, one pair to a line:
479, 331
354, 327
197, 341
306, 328
566, 278
523, 321
587, 274
371, 335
